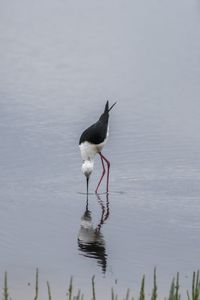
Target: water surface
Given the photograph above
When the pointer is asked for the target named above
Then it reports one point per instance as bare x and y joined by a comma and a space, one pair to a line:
59, 63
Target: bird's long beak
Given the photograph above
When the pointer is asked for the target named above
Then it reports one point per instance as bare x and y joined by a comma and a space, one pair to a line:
87, 181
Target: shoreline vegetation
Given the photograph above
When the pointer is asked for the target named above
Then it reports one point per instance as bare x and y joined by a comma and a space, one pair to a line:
72, 294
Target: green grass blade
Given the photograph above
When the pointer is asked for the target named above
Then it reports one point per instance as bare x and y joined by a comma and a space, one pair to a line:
70, 289
188, 295
142, 292
5, 288
49, 291
93, 289
127, 294
177, 297
155, 288
36, 284
171, 292
112, 294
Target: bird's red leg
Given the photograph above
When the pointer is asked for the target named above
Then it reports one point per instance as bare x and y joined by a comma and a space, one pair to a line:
108, 173
103, 173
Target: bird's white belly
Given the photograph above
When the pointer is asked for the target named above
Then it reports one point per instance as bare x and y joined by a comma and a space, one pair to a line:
88, 150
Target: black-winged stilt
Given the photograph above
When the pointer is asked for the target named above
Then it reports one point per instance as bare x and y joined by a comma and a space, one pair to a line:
91, 142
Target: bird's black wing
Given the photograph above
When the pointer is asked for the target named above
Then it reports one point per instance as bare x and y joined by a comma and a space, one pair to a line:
95, 134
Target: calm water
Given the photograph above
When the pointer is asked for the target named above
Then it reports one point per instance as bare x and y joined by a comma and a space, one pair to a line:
59, 63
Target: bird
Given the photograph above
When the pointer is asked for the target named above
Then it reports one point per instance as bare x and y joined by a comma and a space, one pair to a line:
91, 142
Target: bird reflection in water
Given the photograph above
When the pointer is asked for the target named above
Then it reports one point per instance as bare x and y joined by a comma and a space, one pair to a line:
91, 241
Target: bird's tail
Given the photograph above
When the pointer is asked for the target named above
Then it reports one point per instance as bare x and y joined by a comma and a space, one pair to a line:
107, 109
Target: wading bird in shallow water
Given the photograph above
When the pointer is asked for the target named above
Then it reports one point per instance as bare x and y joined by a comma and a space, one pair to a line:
91, 142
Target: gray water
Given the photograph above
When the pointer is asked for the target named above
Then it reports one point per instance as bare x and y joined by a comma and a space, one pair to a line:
59, 63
